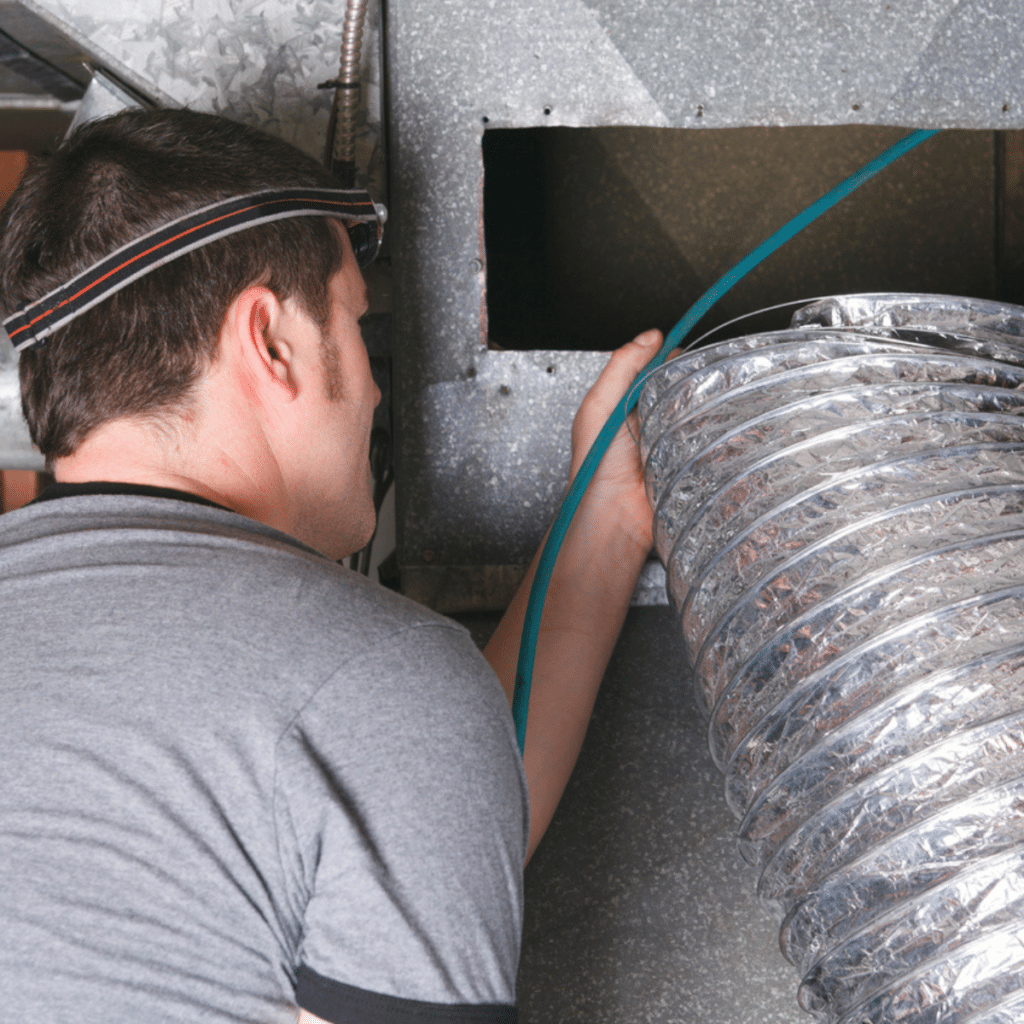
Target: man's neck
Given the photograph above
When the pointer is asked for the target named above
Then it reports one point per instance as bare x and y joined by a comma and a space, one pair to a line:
130, 452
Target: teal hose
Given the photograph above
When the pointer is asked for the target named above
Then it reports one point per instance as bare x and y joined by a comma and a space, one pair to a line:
538, 592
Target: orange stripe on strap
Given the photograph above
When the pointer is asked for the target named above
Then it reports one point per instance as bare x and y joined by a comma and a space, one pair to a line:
159, 245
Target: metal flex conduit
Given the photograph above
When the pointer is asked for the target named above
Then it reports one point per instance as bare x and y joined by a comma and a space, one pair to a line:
840, 508
340, 148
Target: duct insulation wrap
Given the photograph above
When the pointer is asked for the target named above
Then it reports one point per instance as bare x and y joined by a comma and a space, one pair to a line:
840, 511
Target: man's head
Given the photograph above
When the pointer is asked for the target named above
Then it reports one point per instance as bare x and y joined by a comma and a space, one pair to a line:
236, 371
141, 352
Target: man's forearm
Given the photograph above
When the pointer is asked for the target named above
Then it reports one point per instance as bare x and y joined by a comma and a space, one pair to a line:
593, 580
590, 590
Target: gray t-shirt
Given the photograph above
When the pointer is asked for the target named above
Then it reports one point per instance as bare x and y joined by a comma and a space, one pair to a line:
229, 767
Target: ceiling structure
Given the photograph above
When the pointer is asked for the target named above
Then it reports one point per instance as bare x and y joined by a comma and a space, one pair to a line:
471, 506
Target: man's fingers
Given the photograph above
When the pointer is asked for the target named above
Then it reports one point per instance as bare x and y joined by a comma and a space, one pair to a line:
626, 362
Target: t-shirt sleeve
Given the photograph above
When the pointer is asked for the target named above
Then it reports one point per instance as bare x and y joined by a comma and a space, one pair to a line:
401, 812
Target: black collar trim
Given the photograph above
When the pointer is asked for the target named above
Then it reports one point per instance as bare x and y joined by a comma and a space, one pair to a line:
55, 491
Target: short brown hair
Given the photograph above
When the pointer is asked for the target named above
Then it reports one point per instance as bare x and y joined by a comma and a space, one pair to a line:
141, 351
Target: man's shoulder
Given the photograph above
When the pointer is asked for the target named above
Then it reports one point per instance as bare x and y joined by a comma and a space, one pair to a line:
223, 560
176, 592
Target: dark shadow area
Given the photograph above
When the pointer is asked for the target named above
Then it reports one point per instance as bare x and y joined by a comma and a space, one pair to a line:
594, 234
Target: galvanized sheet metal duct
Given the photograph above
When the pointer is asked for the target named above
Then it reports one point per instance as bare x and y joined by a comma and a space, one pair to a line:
16, 448
840, 510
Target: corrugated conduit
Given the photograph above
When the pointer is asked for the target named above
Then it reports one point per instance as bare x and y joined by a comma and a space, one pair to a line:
840, 510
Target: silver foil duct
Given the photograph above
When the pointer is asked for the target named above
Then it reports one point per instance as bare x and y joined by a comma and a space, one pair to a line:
840, 511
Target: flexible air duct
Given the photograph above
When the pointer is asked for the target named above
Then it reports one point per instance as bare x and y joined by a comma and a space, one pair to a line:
840, 510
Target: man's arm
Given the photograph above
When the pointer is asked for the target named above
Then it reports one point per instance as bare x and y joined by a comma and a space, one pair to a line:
593, 581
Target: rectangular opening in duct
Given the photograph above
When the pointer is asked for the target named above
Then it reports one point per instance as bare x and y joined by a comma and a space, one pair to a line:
594, 234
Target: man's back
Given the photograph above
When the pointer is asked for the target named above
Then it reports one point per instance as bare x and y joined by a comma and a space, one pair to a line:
228, 764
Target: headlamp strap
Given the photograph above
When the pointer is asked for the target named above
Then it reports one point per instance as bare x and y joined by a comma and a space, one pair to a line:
35, 321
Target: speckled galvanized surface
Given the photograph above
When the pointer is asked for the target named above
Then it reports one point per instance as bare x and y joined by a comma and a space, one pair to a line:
456, 67
639, 910
931, 63
16, 450
450, 67
492, 448
729, 62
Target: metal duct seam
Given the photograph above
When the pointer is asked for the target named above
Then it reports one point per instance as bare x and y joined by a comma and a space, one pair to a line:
840, 510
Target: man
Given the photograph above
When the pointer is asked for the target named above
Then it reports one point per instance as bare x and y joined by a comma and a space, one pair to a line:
241, 782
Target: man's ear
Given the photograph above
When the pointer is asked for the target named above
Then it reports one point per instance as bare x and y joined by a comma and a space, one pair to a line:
257, 335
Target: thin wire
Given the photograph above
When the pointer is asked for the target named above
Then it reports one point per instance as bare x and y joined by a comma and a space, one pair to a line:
695, 343
546, 564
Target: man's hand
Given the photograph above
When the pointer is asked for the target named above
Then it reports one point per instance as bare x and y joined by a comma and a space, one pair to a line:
593, 581
617, 490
